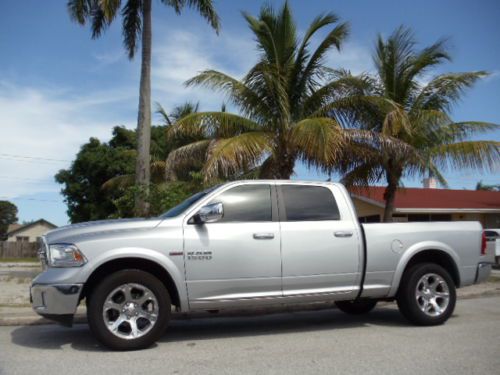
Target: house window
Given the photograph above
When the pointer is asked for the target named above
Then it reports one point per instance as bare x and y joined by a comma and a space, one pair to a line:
22, 238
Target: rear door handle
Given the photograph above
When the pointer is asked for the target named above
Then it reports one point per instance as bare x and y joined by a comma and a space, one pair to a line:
343, 234
263, 236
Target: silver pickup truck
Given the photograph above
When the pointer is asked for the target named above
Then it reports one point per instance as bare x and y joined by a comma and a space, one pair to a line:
249, 244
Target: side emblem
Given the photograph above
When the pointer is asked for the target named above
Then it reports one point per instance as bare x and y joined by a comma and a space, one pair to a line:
199, 255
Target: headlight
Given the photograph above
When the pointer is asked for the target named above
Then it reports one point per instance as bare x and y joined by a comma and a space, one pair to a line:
65, 255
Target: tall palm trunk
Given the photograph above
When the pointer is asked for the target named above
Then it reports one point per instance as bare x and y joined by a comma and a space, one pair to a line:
393, 177
142, 166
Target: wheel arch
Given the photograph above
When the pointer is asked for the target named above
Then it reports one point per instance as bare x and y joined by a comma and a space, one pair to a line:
431, 253
132, 262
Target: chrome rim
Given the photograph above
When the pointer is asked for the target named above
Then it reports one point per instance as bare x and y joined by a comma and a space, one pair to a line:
432, 294
130, 311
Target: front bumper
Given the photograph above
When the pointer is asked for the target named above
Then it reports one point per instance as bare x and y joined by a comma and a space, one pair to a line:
483, 272
56, 302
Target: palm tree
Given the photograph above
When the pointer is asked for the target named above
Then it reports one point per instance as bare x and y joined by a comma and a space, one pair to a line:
284, 103
397, 102
136, 24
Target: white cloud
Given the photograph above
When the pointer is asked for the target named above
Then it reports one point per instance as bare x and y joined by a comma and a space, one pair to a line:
51, 124
110, 57
183, 54
352, 56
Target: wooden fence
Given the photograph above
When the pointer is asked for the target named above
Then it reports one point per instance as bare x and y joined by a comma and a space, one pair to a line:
18, 249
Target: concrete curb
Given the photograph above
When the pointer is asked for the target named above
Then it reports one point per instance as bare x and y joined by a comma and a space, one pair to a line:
32, 319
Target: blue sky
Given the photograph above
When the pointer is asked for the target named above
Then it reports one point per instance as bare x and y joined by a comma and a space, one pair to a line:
58, 87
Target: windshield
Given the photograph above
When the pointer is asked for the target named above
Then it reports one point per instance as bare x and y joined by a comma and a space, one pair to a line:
181, 207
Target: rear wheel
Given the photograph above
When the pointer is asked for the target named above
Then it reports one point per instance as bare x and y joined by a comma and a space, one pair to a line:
128, 310
356, 307
427, 294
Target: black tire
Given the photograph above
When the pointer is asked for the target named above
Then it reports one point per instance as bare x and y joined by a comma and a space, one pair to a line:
356, 307
410, 305
98, 296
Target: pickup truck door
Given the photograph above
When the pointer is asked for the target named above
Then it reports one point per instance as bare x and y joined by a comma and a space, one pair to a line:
320, 247
237, 259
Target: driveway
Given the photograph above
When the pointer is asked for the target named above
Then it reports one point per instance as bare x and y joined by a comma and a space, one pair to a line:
324, 341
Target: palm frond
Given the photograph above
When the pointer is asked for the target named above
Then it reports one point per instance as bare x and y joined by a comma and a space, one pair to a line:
99, 21
110, 8
478, 155
163, 114
362, 175
79, 10
207, 10
230, 156
204, 7
118, 182
132, 25
313, 69
446, 89
213, 125
250, 102
196, 151
466, 129
319, 141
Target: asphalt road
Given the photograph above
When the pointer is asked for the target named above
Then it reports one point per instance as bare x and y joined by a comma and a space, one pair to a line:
312, 342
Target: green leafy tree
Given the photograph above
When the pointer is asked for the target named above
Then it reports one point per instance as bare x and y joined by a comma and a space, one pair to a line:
136, 26
8, 215
95, 163
398, 103
285, 105
98, 162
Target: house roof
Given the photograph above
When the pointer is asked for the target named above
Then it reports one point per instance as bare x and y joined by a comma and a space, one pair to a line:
13, 227
20, 228
433, 200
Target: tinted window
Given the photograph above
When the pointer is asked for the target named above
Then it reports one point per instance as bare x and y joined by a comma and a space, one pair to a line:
246, 203
180, 208
309, 203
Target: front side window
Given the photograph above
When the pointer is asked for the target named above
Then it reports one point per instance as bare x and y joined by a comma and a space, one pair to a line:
308, 203
180, 208
246, 203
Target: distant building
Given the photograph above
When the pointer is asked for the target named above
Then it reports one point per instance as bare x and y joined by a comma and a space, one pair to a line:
430, 204
30, 232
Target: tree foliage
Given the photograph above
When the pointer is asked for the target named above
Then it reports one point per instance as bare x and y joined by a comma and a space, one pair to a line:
285, 103
99, 162
136, 30
397, 103
8, 215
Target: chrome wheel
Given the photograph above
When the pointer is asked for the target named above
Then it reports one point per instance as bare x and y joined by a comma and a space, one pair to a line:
432, 294
130, 311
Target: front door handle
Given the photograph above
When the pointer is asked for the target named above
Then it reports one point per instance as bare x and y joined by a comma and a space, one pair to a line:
263, 236
343, 234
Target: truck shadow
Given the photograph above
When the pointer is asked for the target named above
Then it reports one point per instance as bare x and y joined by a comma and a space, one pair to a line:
50, 337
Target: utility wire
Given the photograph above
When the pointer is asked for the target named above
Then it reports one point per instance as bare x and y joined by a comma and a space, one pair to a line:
33, 157
30, 199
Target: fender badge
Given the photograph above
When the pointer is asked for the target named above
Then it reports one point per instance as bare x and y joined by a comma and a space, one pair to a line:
175, 253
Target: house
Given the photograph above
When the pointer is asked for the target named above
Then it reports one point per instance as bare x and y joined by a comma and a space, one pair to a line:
429, 204
29, 232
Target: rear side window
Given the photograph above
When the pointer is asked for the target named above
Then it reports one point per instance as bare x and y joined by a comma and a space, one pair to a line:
249, 203
308, 203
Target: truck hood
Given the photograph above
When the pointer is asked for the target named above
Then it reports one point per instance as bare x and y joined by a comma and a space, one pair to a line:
66, 233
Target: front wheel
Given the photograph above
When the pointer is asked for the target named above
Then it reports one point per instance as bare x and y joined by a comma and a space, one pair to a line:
427, 294
129, 310
356, 307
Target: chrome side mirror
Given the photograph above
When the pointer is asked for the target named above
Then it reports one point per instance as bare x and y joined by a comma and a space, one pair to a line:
210, 213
